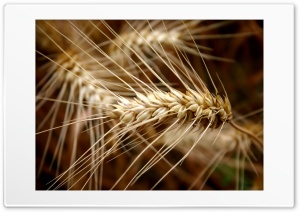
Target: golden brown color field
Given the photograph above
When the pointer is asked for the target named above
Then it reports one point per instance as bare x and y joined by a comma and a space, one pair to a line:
140, 105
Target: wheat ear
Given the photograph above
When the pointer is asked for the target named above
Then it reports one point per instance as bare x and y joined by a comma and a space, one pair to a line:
159, 106
69, 75
144, 36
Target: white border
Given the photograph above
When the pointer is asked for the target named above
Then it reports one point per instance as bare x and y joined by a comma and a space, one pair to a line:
19, 104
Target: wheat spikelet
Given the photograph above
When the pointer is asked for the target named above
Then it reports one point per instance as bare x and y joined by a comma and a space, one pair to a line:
136, 124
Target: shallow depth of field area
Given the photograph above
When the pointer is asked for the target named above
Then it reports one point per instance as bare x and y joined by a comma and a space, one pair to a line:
142, 105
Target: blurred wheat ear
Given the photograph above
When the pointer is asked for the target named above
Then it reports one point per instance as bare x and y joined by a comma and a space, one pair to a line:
130, 104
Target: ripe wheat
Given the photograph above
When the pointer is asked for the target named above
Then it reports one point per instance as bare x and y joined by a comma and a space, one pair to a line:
102, 83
